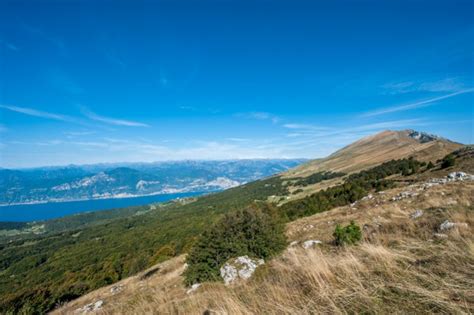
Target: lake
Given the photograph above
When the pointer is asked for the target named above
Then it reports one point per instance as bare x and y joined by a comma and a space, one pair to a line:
45, 211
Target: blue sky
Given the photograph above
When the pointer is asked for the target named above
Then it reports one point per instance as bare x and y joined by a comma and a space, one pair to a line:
101, 81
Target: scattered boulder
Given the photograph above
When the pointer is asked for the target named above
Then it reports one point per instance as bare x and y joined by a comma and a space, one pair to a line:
368, 197
460, 176
116, 289
193, 288
448, 225
453, 177
294, 243
310, 243
91, 307
440, 235
404, 194
241, 267
415, 215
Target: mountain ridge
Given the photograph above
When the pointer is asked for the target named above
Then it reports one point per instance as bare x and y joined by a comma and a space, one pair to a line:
378, 148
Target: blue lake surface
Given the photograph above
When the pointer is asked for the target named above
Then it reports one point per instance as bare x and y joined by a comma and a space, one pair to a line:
45, 211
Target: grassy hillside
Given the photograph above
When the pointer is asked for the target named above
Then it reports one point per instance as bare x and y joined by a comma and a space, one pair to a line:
37, 274
376, 149
403, 265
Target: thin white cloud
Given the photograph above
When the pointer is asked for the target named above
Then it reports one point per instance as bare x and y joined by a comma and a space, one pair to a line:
37, 113
111, 121
304, 127
238, 139
260, 116
78, 133
9, 45
415, 105
444, 85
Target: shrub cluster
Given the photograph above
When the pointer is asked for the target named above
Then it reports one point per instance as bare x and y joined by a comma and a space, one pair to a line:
354, 188
348, 235
254, 231
448, 161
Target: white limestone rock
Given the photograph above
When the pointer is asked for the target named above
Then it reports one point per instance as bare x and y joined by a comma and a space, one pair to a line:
193, 288
241, 267
415, 215
310, 243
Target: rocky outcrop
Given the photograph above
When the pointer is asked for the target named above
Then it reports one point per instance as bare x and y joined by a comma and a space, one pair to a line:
310, 243
91, 307
241, 267
193, 288
415, 215
448, 225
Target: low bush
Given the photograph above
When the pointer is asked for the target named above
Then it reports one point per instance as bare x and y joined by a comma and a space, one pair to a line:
448, 161
254, 231
348, 235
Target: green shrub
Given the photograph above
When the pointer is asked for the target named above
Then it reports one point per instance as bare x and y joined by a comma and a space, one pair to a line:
448, 161
430, 165
254, 231
347, 235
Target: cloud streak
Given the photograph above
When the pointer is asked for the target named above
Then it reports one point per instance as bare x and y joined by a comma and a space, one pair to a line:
444, 85
9, 45
415, 105
260, 116
37, 113
111, 121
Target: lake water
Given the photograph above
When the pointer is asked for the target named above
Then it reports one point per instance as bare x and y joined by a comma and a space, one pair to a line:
45, 211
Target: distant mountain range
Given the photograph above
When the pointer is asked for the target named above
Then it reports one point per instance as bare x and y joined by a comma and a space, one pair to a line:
54, 184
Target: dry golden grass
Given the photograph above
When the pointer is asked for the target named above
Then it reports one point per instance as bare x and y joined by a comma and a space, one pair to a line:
374, 150
399, 268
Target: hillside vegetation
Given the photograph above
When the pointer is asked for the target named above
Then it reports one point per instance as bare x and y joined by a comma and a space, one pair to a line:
39, 273
405, 263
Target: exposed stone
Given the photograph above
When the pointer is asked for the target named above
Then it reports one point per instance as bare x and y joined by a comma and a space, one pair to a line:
447, 225
368, 197
418, 213
116, 289
241, 267
404, 194
193, 288
310, 243
440, 235
294, 243
91, 307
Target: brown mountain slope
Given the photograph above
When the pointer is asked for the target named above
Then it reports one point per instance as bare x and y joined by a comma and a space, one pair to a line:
404, 265
376, 149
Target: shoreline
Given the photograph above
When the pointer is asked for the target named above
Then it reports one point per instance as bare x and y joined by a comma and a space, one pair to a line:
104, 198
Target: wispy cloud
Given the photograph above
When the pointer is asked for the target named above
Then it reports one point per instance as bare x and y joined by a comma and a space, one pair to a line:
444, 85
304, 126
414, 105
37, 113
9, 45
260, 116
238, 139
111, 121
71, 134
